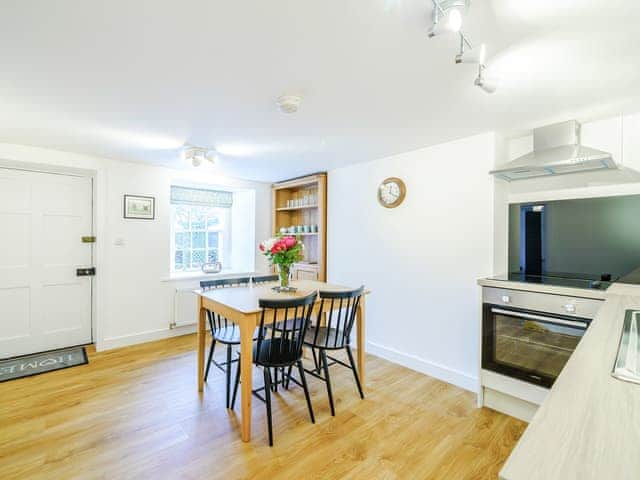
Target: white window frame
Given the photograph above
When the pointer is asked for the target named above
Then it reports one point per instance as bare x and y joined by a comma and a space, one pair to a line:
224, 246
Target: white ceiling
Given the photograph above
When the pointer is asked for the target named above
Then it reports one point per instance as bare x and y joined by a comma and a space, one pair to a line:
135, 80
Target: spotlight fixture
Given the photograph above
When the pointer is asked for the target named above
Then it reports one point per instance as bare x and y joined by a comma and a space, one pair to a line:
455, 20
198, 155
470, 55
447, 15
487, 84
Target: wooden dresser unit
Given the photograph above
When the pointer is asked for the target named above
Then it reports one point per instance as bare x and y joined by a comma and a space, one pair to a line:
302, 202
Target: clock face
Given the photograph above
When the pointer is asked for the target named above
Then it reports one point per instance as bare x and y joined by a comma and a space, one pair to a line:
391, 192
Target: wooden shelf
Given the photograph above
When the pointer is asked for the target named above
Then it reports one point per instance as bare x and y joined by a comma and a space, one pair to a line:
287, 209
306, 234
313, 189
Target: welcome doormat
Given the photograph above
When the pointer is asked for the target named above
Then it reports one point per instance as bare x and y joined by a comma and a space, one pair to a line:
37, 363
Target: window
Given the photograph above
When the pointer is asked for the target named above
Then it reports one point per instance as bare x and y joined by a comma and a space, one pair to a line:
200, 228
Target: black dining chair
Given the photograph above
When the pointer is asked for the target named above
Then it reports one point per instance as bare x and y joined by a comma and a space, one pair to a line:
222, 330
280, 348
258, 280
224, 282
336, 317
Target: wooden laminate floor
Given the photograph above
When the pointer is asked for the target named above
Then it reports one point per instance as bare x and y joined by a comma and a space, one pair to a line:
134, 413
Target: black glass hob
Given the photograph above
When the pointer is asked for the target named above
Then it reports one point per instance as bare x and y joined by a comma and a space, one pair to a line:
564, 280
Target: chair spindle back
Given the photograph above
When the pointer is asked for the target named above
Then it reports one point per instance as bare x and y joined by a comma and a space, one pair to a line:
264, 279
217, 321
284, 343
340, 310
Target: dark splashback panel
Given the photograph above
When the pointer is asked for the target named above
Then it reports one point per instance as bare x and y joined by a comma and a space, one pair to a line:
585, 236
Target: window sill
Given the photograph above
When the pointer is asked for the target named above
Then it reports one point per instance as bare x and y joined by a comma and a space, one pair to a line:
177, 277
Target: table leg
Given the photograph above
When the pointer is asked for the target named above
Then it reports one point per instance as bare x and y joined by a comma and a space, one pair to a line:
360, 340
246, 375
202, 333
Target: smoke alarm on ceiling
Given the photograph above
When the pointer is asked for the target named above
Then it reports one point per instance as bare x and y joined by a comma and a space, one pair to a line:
289, 103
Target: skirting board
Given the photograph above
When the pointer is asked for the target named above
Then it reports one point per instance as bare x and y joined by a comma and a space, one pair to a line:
421, 365
143, 337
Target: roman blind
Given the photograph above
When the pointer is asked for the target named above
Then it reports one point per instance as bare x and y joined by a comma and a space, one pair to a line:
201, 197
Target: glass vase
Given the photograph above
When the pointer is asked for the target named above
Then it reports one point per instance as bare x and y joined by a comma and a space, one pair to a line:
284, 271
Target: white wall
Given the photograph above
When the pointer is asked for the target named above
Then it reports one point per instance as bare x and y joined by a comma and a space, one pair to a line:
422, 259
134, 299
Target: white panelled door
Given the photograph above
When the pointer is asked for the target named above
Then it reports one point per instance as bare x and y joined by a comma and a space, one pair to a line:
43, 304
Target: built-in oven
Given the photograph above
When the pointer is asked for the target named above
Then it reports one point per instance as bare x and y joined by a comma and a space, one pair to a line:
529, 344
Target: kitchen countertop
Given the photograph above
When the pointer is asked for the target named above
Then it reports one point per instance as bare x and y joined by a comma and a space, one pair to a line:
589, 425
633, 277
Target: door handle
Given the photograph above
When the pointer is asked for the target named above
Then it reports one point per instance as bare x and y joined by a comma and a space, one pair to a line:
540, 318
86, 272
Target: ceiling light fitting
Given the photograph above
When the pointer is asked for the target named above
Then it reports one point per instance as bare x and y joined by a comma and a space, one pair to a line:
453, 11
448, 16
486, 84
289, 103
199, 155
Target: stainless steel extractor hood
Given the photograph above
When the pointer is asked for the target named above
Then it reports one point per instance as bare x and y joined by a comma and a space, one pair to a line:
556, 151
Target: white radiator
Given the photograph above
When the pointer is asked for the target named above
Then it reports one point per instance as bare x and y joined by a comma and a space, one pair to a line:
185, 307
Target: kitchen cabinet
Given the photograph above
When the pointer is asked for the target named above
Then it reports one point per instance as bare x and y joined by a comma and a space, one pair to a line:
305, 272
604, 135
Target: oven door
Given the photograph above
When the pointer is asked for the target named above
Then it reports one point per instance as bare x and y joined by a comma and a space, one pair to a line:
528, 345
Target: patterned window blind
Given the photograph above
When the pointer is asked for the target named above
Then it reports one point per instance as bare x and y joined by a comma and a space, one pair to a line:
201, 197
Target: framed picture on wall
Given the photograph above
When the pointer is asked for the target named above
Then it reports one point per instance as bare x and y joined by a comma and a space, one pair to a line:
139, 207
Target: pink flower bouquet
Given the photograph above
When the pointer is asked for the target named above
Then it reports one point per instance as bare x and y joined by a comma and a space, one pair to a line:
283, 252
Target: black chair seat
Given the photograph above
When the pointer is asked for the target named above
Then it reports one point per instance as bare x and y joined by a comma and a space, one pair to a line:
289, 324
276, 352
230, 335
327, 338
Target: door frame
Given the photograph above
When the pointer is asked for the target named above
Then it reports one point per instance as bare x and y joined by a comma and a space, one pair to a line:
97, 225
540, 207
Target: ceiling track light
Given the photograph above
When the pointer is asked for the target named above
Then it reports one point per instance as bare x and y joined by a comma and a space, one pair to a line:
453, 11
448, 16
199, 155
486, 84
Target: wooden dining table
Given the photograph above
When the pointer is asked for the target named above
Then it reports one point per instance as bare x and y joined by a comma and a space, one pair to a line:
240, 305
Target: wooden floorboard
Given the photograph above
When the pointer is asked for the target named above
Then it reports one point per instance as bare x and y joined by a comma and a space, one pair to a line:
134, 413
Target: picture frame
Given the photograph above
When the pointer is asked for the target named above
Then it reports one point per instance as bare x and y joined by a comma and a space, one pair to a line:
139, 207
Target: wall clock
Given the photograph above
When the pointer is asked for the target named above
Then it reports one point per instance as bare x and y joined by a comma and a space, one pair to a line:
391, 192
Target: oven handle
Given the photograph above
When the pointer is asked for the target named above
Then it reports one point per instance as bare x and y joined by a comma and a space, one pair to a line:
530, 316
